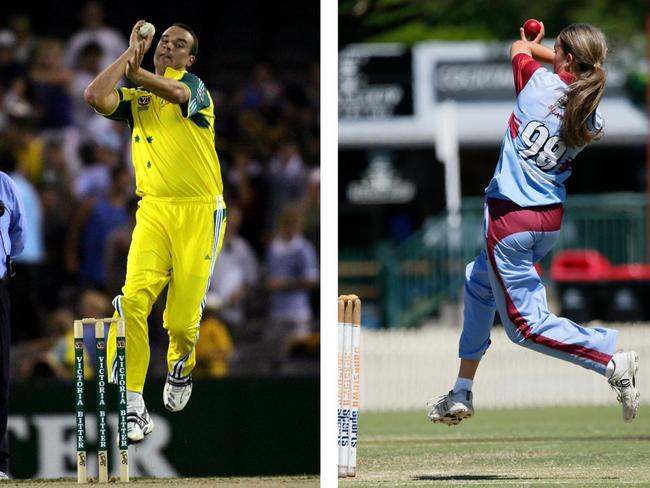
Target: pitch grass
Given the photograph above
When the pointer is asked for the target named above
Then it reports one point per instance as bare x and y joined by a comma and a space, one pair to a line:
564, 447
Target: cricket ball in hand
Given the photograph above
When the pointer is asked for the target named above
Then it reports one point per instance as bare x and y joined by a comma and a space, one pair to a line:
532, 28
146, 29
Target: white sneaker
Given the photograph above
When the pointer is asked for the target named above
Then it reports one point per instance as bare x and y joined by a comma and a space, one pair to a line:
138, 420
451, 408
623, 380
176, 393
3, 476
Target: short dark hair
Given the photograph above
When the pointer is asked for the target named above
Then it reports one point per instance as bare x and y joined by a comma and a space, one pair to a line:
195, 44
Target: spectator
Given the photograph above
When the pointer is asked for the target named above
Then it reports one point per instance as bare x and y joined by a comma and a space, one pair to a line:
97, 216
292, 271
254, 133
12, 79
299, 118
26, 42
258, 104
85, 71
287, 178
263, 89
54, 169
100, 158
27, 146
246, 183
111, 41
57, 201
11, 69
52, 85
214, 350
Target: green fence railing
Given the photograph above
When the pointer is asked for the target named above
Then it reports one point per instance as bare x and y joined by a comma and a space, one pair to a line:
404, 284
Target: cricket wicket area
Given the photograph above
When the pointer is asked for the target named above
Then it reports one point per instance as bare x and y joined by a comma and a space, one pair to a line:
349, 333
101, 383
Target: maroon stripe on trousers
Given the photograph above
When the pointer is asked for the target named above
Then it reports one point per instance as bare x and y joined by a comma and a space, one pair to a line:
507, 218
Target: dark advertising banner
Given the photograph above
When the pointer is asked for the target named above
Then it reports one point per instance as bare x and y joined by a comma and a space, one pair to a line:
474, 80
488, 80
375, 82
232, 427
390, 191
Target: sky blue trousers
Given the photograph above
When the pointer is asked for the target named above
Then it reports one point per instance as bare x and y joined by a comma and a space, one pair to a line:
503, 278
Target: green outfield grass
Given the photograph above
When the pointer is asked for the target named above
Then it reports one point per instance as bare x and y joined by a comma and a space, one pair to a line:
573, 447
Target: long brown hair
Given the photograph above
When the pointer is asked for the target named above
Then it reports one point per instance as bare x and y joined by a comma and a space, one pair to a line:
588, 46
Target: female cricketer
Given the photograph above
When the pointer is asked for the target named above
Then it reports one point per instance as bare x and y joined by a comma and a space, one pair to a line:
556, 115
181, 217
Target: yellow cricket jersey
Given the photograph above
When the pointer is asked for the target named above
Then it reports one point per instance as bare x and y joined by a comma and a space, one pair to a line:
172, 145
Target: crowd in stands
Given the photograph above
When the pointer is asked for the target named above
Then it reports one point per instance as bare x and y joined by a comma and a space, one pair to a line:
74, 171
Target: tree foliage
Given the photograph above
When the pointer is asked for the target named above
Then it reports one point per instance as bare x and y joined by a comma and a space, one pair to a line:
411, 21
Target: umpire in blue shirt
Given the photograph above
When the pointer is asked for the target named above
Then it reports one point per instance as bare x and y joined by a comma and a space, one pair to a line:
12, 241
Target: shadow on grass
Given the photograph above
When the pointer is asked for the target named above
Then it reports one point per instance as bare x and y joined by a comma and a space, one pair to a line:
465, 477
486, 477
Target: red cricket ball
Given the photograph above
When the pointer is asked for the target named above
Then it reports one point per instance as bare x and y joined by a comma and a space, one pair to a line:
532, 28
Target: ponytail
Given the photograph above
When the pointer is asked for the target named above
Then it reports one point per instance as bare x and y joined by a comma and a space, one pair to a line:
588, 46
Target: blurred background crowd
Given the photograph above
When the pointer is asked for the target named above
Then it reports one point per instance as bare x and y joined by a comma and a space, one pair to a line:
74, 171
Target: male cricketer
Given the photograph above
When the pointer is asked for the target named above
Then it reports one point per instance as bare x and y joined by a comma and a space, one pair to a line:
181, 217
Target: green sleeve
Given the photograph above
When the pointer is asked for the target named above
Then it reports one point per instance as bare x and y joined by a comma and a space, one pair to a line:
199, 98
122, 112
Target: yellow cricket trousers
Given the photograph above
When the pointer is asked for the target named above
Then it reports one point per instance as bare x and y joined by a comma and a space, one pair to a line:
176, 242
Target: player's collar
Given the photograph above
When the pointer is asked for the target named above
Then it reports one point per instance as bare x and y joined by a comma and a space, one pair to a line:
567, 77
173, 73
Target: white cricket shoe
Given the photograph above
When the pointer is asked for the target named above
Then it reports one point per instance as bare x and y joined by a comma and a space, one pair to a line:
176, 393
623, 380
451, 408
138, 420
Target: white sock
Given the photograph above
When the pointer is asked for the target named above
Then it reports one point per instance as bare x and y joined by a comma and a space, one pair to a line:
610, 368
134, 399
462, 384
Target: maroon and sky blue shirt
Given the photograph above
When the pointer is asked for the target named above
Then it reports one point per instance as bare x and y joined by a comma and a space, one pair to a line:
534, 161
